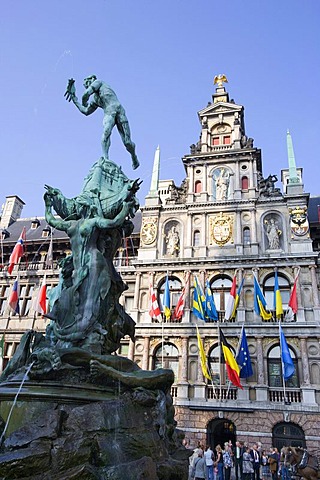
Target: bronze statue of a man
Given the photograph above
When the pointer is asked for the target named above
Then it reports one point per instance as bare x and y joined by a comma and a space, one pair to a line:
114, 114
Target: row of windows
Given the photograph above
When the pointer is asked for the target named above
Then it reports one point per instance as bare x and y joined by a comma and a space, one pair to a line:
244, 185
168, 357
220, 288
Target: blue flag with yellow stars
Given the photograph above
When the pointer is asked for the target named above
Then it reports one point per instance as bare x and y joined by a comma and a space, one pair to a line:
243, 357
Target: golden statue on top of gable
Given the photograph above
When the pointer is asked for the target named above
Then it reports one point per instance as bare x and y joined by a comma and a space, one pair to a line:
220, 79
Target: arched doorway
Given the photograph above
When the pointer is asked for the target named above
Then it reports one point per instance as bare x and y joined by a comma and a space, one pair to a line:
287, 434
219, 431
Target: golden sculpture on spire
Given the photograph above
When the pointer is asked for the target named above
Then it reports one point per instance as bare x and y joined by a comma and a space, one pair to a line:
220, 80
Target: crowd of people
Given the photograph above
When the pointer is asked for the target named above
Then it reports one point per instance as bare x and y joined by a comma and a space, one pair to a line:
236, 462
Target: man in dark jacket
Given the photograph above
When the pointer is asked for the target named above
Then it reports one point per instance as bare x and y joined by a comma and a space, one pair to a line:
256, 461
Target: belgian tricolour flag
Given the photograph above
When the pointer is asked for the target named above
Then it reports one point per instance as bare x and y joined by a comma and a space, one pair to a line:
233, 369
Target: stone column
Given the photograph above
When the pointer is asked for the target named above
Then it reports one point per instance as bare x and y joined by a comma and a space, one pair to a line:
145, 358
304, 361
191, 184
205, 185
131, 350
260, 369
261, 387
136, 291
315, 293
183, 385
184, 359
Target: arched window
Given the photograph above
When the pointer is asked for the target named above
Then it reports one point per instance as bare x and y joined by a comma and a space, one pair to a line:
288, 434
284, 287
275, 369
198, 187
175, 289
244, 183
246, 236
220, 290
196, 238
167, 356
214, 365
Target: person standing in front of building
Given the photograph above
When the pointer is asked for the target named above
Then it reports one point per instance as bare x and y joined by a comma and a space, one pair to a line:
238, 458
273, 463
227, 461
208, 456
256, 461
266, 474
199, 471
247, 464
219, 462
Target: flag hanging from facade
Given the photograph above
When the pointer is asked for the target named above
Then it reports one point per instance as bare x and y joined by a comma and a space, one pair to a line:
233, 369
287, 362
14, 298
42, 298
202, 355
259, 301
154, 311
292, 304
237, 299
166, 300
277, 297
179, 308
198, 300
49, 258
18, 251
210, 307
243, 357
231, 300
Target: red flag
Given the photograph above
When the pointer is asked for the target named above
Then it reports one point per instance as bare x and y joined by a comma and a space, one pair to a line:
18, 250
14, 298
178, 311
154, 311
231, 300
42, 298
293, 303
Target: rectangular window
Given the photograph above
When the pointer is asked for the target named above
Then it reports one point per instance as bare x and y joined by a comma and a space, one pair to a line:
226, 140
215, 141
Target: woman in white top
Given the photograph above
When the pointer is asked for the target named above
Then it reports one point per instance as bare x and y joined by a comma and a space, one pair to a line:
209, 459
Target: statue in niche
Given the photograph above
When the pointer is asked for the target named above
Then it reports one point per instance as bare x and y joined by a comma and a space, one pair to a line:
173, 242
222, 184
273, 233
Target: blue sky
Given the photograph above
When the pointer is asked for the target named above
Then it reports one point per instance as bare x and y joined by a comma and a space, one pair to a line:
160, 56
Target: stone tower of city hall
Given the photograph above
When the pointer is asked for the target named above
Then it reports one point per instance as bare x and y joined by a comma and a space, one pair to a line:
227, 220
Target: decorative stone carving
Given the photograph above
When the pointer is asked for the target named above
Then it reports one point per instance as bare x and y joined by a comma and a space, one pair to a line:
299, 223
149, 231
221, 228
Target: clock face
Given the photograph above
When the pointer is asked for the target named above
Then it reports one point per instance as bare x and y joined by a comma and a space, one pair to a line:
148, 233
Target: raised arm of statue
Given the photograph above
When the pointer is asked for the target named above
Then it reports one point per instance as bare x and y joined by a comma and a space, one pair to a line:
51, 219
71, 96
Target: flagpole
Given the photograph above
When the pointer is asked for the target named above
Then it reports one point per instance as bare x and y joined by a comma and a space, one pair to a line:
282, 369
237, 352
220, 353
